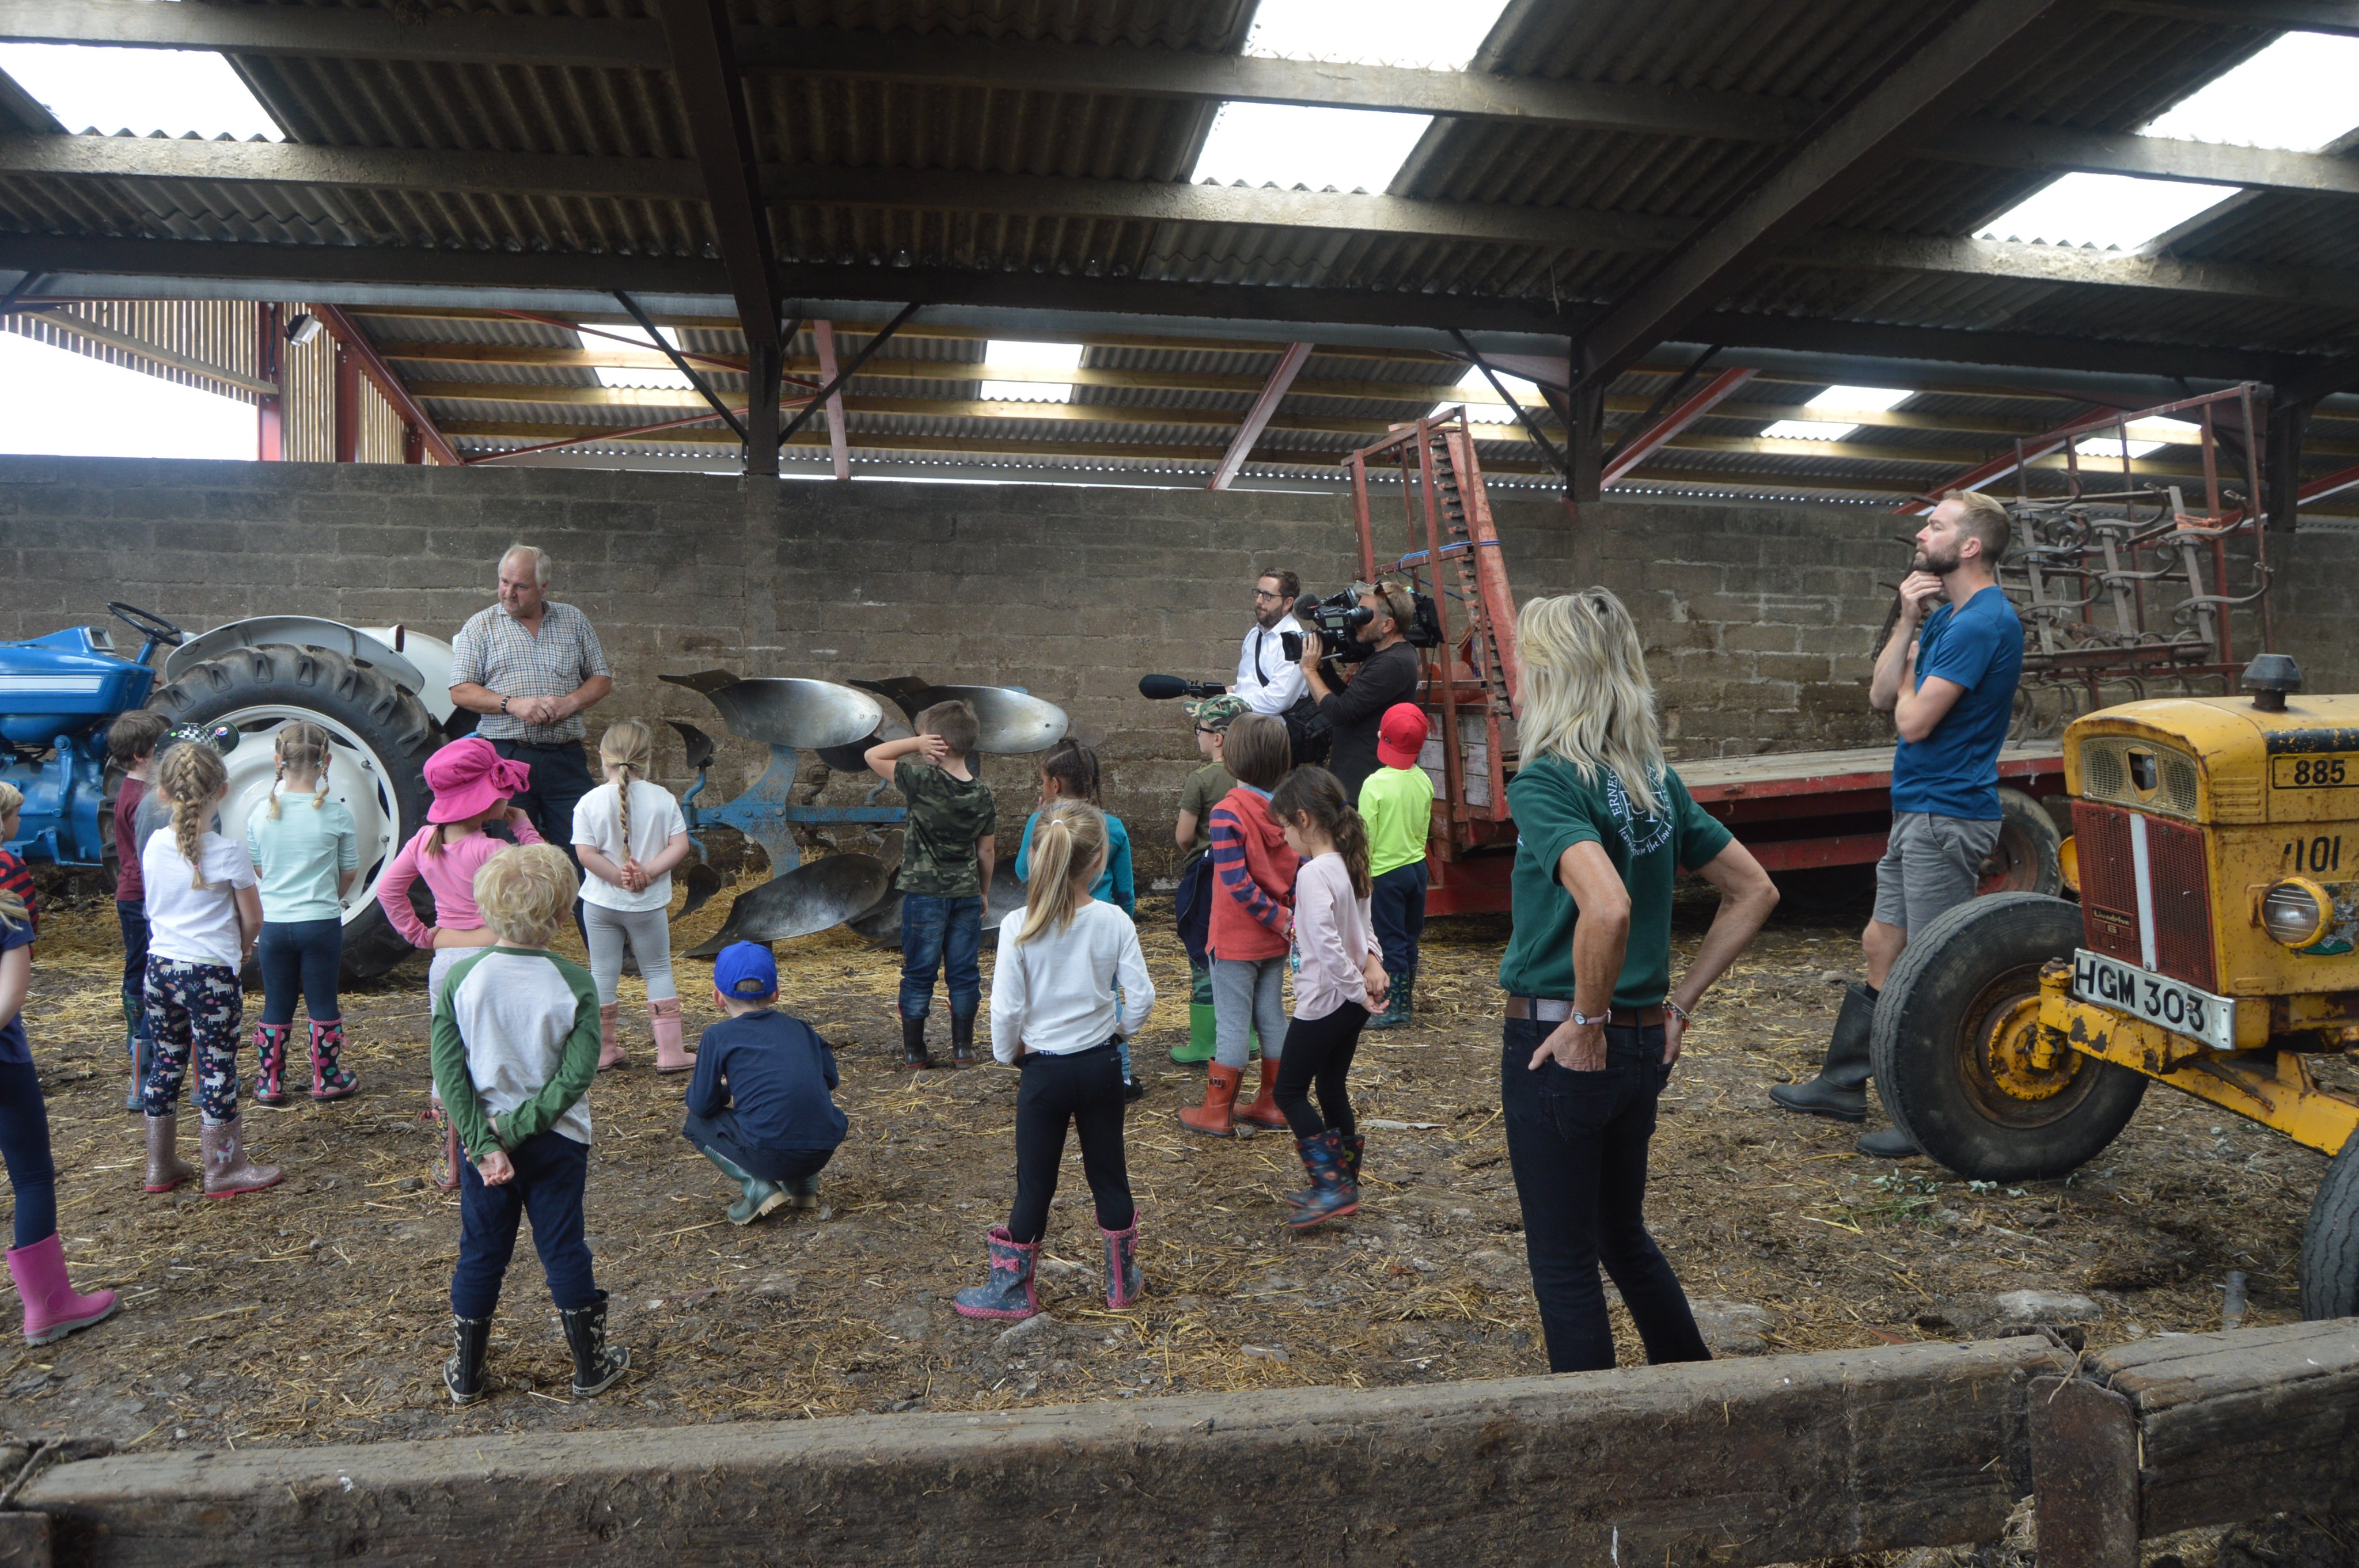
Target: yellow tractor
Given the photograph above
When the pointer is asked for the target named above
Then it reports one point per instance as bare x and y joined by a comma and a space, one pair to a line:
2215, 849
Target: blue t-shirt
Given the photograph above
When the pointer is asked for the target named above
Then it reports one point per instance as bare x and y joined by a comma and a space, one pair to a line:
1115, 885
778, 1071
13, 1045
1953, 772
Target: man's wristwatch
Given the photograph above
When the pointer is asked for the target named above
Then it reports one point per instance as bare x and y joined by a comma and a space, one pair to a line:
1586, 1019
504, 705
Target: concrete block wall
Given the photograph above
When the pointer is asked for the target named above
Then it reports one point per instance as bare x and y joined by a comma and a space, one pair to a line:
1758, 620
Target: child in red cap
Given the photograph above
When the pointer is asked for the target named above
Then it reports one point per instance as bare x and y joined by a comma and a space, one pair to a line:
1396, 803
471, 784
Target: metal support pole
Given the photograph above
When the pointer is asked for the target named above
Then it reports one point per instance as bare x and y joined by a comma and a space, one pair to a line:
762, 363
1585, 444
270, 417
2288, 425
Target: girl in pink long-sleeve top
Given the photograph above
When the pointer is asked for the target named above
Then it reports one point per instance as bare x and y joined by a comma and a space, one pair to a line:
1337, 982
471, 784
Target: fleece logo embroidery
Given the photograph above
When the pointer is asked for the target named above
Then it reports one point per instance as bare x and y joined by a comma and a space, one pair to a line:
1631, 824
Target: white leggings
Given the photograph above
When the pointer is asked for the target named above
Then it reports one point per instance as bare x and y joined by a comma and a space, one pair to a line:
649, 931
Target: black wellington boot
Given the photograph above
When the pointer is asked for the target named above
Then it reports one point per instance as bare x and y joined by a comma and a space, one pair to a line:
596, 1364
961, 1039
1888, 1143
463, 1373
1841, 1088
915, 1057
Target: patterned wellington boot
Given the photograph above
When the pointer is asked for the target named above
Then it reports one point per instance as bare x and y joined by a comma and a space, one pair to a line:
227, 1170
1332, 1193
135, 1046
1396, 1012
328, 1078
610, 1037
663, 1019
463, 1373
1354, 1145
1009, 1293
166, 1169
595, 1364
1125, 1284
270, 1041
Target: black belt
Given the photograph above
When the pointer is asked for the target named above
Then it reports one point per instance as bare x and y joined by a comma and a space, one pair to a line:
1553, 1010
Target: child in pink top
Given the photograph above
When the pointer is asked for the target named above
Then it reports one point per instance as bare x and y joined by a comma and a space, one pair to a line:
1338, 980
471, 784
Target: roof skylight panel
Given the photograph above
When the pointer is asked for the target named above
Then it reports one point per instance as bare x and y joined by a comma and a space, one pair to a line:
177, 91
1025, 366
1483, 404
650, 377
1838, 400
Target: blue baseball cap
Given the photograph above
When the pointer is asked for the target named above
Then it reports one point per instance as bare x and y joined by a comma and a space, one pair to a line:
747, 972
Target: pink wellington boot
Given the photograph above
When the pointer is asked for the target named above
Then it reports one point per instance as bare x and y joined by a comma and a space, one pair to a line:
52, 1310
670, 1057
610, 1037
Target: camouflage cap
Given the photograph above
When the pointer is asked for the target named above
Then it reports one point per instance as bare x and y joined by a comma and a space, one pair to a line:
1216, 712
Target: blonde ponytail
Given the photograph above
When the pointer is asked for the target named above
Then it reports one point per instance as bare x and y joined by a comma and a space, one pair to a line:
1066, 845
628, 746
193, 779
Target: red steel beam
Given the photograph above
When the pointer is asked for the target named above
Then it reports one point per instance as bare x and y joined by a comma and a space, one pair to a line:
2333, 484
839, 445
340, 326
1642, 446
1257, 417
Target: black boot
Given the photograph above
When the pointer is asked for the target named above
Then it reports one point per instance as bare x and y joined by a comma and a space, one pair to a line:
1888, 1143
915, 1058
961, 1039
1841, 1088
463, 1373
595, 1366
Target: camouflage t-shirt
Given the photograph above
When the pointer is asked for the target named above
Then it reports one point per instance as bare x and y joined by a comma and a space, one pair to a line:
946, 817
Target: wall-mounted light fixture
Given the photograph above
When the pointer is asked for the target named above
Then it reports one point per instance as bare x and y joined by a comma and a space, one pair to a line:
301, 327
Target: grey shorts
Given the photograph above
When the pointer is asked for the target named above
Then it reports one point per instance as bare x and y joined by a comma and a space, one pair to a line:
1931, 866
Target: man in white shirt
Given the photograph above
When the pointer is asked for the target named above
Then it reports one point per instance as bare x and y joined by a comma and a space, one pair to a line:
1268, 681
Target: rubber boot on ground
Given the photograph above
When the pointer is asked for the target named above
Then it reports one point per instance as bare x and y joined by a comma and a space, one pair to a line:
915, 1057
166, 1169
597, 1364
610, 1036
1216, 1116
1354, 1145
52, 1310
671, 1056
1409, 990
1841, 1088
1264, 1111
961, 1039
1332, 1193
1008, 1293
135, 1048
756, 1197
463, 1375
1125, 1284
227, 1170
1396, 1012
330, 1080
1888, 1143
802, 1193
1197, 1047
270, 1042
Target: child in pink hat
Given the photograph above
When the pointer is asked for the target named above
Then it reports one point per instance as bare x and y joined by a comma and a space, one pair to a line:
471, 784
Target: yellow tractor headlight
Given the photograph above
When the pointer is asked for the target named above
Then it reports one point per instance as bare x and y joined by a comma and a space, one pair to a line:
2068, 864
2296, 912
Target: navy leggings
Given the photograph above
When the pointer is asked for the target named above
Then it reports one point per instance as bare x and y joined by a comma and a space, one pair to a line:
551, 1171
25, 1140
300, 955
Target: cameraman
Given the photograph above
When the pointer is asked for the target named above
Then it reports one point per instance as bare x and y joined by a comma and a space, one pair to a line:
1388, 674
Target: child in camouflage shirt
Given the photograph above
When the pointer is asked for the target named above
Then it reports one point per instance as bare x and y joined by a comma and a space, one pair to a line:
947, 857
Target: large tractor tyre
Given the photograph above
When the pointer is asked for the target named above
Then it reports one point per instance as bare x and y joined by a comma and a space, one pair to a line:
1955, 1028
2028, 857
382, 736
2330, 1247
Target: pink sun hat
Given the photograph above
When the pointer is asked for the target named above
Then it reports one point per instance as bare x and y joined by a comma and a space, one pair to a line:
467, 776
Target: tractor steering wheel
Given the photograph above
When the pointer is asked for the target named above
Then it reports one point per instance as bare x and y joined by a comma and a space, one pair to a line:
149, 625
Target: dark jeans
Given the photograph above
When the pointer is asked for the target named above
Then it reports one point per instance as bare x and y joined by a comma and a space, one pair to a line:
723, 1136
25, 1140
550, 1171
304, 955
1396, 909
560, 777
132, 917
1319, 1050
937, 933
1577, 1142
1083, 1089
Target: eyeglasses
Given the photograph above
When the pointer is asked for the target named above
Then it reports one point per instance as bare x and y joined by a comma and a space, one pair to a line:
1264, 593
1201, 731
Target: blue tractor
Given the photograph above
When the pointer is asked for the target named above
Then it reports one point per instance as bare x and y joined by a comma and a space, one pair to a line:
381, 693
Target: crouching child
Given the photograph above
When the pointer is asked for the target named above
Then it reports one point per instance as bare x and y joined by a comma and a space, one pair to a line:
759, 1106
515, 1048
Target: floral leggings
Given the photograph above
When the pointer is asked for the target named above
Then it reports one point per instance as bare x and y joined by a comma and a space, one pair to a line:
197, 1005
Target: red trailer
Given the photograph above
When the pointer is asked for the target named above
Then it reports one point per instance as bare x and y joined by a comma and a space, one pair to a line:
1797, 811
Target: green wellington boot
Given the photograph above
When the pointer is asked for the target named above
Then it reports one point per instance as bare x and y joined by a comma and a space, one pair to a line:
758, 1197
1199, 1047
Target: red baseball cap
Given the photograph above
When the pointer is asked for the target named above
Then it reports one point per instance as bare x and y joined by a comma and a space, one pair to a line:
1401, 735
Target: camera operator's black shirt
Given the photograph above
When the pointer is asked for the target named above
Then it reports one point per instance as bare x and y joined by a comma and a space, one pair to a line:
1355, 713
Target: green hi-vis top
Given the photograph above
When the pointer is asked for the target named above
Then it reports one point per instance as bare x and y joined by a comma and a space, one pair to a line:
1555, 808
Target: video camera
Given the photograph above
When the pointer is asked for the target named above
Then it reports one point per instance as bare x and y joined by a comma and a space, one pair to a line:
1338, 618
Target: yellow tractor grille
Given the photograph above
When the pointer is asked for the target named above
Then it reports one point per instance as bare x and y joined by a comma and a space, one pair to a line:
2131, 773
2179, 891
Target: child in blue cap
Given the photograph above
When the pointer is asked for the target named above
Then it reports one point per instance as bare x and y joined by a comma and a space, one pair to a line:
759, 1106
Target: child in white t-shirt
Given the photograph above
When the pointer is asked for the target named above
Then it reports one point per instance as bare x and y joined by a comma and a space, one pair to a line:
629, 835
203, 917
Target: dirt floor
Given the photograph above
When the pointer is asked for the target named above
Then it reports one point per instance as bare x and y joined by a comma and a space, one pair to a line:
318, 1312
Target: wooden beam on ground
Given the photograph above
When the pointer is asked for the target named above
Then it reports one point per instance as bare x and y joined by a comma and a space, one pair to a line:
838, 445
1257, 417
1947, 74
1774, 1459
389, 386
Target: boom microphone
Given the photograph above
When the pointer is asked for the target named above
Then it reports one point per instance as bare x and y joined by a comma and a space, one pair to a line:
1161, 687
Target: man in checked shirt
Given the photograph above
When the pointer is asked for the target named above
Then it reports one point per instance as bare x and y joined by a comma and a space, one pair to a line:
531, 667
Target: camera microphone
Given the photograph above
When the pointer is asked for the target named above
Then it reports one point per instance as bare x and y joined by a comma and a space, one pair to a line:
1161, 687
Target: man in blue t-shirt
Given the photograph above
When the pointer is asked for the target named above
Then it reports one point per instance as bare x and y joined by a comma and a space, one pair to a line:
1951, 691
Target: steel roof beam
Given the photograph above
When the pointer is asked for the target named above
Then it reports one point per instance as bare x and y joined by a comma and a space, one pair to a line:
1947, 74
1257, 417
388, 385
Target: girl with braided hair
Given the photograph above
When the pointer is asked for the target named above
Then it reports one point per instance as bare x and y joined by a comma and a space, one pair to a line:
629, 834
307, 859
203, 917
